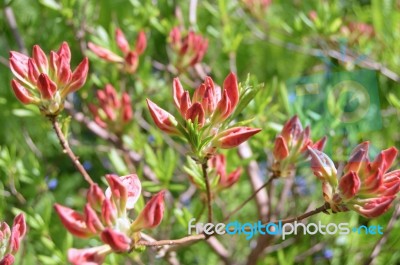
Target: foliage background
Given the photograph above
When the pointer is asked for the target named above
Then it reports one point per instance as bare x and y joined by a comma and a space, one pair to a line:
275, 46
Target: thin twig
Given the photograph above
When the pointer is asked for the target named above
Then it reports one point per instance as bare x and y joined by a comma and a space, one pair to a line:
67, 149
194, 238
266, 184
169, 242
204, 167
378, 246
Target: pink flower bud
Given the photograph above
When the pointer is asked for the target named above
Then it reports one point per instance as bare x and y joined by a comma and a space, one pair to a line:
88, 256
292, 130
322, 166
95, 197
108, 212
73, 221
105, 53
33, 71
175, 38
218, 162
374, 207
117, 192
223, 109
46, 87
234, 136
196, 114
21, 92
117, 241
18, 231
152, 213
141, 43
93, 222
185, 103
231, 87
78, 77
131, 62
177, 91
126, 108
358, 158
133, 187
121, 41
19, 65
5, 231
384, 160
281, 150
40, 59
349, 185
163, 119
227, 181
65, 52
7, 260
64, 71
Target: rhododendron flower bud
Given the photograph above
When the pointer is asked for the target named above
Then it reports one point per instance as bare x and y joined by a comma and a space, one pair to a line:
130, 60
7, 260
322, 166
106, 216
95, 197
117, 241
291, 146
88, 256
365, 187
234, 136
152, 213
217, 164
133, 188
73, 221
112, 112
188, 49
349, 185
43, 83
10, 239
92, 220
18, 231
163, 119
204, 116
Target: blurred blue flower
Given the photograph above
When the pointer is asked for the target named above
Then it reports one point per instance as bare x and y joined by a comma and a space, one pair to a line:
328, 253
150, 139
52, 184
87, 165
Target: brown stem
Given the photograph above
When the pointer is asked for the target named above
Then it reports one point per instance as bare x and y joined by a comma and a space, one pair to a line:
220, 250
320, 209
249, 198
208, 190
169, 242
194, 238
68, 151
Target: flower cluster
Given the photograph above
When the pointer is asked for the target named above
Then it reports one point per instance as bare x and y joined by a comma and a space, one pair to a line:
203, 116
365, 187
10, 239
113, 113
105, 215
44, 82
357, 32
291, 146
188, 50
130, 59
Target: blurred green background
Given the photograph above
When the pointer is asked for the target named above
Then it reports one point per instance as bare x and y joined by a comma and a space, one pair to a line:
335, 63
